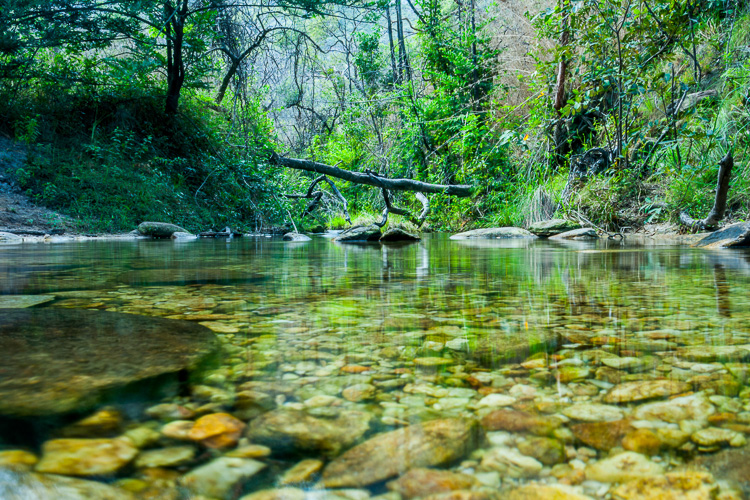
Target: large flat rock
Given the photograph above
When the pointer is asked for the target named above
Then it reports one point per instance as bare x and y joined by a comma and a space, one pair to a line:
734, 235
492, 233
61, 360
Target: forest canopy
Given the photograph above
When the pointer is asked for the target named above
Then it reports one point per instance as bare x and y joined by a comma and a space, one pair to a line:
612, 112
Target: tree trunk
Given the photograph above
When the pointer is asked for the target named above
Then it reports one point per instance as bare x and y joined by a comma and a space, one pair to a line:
175, 31
560, 138
390, 45
720, 202
227, 80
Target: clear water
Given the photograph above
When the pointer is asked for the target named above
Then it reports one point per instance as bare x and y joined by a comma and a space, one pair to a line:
439, 314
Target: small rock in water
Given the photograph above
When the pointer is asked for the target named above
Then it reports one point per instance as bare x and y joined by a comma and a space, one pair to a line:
420, 482
552, 227
397, 234
623, 467
520, 421
495, 400
169, 411
296, 237
218, 430
359, 392
359, 234
715, 436
301, 472
277, 494
509, 462
592, 412
536, 491
104, 422
687, 485
389, 454
547, 450
165, 457
286, 431
86, 457
218, 477
647, 389
601, 435
178, 429
642, 441
17, 459
585, 233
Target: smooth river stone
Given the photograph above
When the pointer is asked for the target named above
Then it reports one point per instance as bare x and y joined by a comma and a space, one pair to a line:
683, 485
623, 467
295, 431
15, 485
23, 301
638, 391
86, 457
392, 453
552, 227
60, 360
592, 412
219, 477
420, 482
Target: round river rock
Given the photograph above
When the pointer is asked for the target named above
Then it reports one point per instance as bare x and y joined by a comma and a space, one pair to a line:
59, 360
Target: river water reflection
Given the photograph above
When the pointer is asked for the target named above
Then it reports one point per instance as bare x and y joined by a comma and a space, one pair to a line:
516, 369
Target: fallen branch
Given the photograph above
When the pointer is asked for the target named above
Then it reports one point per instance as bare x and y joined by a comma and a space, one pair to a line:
317, 196
370, 179
711, 222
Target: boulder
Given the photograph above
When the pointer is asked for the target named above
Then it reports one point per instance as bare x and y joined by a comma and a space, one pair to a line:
389, 454
397, 234
493, 233
220, 476
86, 457
60, 360
359, 234
552, 227
296, 237
16, 485
734, 235
294, 431
159, 229
584, 233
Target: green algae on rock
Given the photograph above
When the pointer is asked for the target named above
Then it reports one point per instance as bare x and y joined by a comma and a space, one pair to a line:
159, 229
62, 360
387, 455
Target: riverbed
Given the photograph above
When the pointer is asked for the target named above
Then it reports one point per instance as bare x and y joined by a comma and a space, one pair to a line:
259, 369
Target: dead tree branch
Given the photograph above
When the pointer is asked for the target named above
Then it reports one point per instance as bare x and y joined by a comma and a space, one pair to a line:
316, 196
720, 202
371, 179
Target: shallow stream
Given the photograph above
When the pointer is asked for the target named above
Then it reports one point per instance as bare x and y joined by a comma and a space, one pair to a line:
441, 369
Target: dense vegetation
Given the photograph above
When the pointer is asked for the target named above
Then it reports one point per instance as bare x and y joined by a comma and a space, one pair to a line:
171, 109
